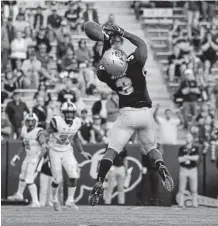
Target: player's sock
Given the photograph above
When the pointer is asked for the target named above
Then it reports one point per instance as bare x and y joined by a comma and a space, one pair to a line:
21, 187
54, 191
33, 192
156, 158
105, 166
71, 192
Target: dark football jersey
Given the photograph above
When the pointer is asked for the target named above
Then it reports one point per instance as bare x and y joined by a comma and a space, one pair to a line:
131, 88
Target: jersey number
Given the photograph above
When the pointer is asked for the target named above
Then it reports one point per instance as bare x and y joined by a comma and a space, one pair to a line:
27, 144
125, 86
64, 139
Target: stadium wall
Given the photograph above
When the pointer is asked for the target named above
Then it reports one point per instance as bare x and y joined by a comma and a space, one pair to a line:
88, 173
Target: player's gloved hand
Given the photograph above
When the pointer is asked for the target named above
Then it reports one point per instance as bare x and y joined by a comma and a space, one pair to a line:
113, 28
15, 158
86, 155
45, 150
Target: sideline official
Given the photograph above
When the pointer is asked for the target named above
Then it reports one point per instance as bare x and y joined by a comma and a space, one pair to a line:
188, 158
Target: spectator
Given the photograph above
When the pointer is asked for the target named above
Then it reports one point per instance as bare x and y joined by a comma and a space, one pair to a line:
175, 60
90, 14
53, 109
28, 36
73, 17
99, 132
4, 93
10, 29
190, 92
111, 19
112, 106
83, 53
5, 47
10, 82
41, 38
64, 46
18, 48
18, 73
5, 126
20, 24
209, 48
188, 158
67, 93
38, 19
54, 20
86, 133
68, 62
100, 108
52, 41
52, 70
31, 68
97, 51
16, 110
42, 92
80, 105
10, 9
40, 110
42, 55
64, 30
168, 126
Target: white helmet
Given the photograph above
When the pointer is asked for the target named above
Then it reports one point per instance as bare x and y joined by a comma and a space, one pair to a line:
68, 109
31, 120
115, 62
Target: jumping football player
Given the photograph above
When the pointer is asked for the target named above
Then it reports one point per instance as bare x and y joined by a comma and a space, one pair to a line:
34, 143
62, 135
126, 76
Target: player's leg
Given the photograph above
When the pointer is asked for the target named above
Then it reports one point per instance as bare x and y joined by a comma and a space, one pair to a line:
70, 165
193, 180
120, 176
44, 185
147, 137
22, 183
182, 185
118, 138
56, 169
30, 177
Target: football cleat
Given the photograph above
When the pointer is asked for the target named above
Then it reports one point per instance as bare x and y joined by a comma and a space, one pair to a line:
71, 204
15, 197
95, 194
166, 178
35, 205
57, 206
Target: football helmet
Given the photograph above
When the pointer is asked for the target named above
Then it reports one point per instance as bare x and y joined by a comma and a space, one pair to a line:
115, 62
68, 109
31, 121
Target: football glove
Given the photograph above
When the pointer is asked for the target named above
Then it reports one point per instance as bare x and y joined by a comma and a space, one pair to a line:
114, 29
15, 158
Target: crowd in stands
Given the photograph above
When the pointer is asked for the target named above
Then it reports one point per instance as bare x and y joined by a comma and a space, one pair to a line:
44, 49
192, 65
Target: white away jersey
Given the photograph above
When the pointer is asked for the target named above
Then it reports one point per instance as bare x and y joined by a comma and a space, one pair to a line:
62, 138
30, 140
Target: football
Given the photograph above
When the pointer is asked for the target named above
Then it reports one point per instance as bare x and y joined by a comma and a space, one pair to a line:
93, 31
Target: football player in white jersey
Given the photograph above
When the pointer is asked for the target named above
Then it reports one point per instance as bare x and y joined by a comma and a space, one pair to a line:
62, 135
34, 143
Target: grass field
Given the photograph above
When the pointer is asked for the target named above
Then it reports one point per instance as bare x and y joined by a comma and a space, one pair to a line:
108, 216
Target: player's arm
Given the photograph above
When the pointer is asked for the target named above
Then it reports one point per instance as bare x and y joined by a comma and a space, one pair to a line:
107, 43
141, 50
156, 113
17, 155
125, 161
79, 147
181, 157
194, 156
42, 139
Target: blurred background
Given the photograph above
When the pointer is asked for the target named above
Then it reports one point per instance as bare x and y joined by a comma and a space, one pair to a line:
47, 59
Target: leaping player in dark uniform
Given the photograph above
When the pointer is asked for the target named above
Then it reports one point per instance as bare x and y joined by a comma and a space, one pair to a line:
126, 76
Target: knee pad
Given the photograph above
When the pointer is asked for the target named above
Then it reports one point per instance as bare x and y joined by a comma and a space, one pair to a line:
72, 182
54, 185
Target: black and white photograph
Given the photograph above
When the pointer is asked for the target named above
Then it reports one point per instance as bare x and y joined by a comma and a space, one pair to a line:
109, 113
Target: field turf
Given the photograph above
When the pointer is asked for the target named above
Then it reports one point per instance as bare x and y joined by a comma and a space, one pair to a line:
109, 216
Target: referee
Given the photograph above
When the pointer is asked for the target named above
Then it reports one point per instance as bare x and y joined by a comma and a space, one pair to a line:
188, 158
